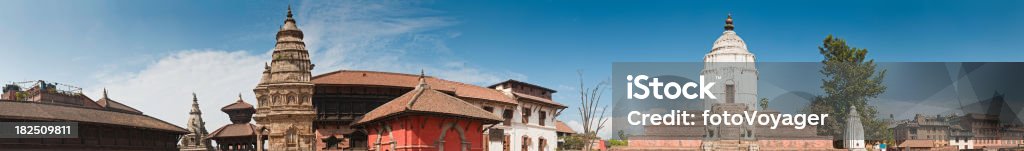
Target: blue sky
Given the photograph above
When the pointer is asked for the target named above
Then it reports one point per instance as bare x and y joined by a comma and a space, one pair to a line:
153, 54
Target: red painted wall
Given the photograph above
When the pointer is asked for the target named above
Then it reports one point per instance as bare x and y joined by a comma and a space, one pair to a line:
420, 132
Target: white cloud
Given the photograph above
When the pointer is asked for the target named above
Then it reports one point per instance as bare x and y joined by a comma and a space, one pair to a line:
605, 133
164, 88
394, 36
351, 35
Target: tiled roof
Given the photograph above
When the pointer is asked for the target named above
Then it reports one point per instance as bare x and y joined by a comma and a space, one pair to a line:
917, 143
538, 99
238, 105
425, 100
561, 127
109, 104
520, 82
234, 130
374, 78
53, 112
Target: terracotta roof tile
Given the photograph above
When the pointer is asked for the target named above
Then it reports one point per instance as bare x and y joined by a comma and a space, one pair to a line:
538, 99
561, 127
429, 101
374, 78
109, 104
521, 82
238, 105
53, 112
234, 130
917, 143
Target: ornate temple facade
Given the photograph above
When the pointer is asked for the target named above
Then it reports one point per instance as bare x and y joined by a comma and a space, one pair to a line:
195, 139
284, 93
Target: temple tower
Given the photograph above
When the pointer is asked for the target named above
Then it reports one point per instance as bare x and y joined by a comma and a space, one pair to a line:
193, 141
731, 67
284, 94
854, 134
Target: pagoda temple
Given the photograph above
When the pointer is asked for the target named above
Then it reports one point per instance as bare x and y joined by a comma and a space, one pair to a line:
426, 119
240, 135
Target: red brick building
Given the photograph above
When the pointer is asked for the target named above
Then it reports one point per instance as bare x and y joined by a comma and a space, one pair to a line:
426, 119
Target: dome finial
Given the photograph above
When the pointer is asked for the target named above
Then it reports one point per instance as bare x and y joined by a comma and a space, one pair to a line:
289, 10
239, 97
194, 99
105, 92
423, 80
728, 22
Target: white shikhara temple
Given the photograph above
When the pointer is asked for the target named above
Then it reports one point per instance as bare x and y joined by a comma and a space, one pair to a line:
732, 67
730, 64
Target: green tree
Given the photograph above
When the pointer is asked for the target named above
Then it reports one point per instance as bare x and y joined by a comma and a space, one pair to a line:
623, 135
850, 79
573, 142
616, 142
764, 103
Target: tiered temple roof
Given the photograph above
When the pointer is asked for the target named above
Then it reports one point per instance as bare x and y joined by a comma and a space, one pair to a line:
240, 114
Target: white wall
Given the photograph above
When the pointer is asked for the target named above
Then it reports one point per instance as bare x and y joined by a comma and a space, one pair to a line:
533, 129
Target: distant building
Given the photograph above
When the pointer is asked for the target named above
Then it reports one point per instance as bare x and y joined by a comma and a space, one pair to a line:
195, 139
240, 135
960, 137
103, 125
923, 132
562, 130
995, 126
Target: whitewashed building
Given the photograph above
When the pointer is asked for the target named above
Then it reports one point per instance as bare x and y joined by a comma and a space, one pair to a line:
530, 124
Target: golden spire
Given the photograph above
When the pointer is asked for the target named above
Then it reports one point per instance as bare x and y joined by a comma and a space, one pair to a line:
728, 23
289, 10
423, 80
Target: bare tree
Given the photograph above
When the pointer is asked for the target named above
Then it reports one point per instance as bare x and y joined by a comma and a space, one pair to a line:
593, 119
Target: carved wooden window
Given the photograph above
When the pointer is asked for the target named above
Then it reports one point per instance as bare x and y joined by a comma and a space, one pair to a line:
526, 143
542, 144
508, 117
526, 115
543, 117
